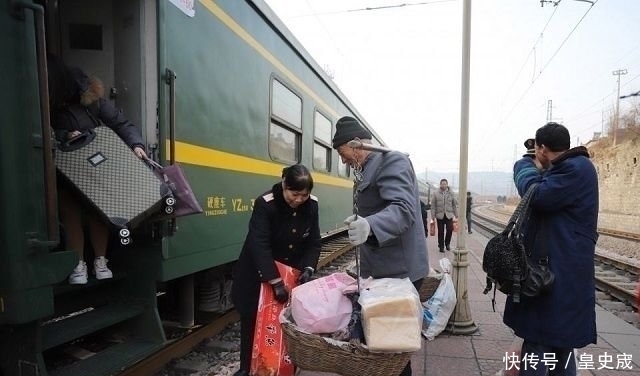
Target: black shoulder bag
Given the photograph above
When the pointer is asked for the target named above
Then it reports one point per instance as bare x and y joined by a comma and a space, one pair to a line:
509, 266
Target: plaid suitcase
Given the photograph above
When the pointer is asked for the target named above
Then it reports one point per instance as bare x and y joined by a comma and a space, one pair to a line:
112, 179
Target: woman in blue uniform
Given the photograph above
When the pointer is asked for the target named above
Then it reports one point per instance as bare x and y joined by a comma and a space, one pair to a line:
283, 227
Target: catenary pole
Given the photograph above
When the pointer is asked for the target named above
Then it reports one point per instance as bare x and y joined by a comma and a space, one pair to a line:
461, 321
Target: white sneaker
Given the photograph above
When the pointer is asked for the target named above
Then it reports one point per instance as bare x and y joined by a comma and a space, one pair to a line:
79, 274
100, 268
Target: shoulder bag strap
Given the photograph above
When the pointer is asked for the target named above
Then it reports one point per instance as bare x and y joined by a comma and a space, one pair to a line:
524, 208
521, 211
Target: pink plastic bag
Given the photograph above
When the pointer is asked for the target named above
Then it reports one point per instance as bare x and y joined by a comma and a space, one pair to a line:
319, 306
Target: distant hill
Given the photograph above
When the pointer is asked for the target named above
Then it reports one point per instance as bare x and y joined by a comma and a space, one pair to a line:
486, 183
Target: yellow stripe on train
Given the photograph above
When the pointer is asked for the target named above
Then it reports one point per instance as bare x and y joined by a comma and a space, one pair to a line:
202, 156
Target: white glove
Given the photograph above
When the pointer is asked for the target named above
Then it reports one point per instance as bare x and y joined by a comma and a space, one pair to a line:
359, 229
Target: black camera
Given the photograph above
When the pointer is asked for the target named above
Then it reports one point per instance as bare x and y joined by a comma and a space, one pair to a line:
530, 144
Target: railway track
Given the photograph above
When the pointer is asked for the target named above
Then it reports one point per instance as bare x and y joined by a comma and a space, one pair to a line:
334, 246
609, 277
631, 236
615, 276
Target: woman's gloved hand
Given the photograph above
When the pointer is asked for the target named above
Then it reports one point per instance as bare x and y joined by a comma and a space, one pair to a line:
280, 292
305, 276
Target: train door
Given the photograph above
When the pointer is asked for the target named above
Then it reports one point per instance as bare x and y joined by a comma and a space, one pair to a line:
115, 41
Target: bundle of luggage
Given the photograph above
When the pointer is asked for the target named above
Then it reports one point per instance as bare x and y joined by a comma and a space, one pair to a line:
367, 331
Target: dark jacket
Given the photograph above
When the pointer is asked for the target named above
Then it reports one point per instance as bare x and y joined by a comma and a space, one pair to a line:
77, 103
424, 210
563, 220
276, 232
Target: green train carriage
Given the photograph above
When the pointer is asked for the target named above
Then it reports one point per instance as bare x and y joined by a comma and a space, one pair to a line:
221, 87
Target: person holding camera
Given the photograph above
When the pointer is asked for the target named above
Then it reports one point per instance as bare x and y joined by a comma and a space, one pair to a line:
562, 223
283, 227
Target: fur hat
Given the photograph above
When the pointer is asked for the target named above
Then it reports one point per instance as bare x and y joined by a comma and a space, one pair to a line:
348, 128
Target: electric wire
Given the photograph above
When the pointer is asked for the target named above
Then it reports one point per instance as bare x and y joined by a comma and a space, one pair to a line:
532, 51
546, 65
382, 7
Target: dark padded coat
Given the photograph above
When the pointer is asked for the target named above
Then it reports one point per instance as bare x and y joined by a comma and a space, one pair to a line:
70, 86
276, 232
563, 220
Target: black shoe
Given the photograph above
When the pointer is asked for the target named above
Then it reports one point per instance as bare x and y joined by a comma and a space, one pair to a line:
241, 373
441, 249
448, 248
470, 232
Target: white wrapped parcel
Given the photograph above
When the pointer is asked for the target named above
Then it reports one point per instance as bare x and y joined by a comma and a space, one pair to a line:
391, 314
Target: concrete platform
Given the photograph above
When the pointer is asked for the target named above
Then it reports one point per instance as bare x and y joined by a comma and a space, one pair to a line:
482, 352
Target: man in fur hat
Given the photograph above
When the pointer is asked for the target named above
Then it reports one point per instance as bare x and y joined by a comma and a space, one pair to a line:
388, 226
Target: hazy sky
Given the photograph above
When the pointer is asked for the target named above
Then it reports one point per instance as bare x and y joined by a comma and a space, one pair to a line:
401, 68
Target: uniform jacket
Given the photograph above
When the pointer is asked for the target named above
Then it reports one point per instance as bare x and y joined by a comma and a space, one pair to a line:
563, 220
444, 202
70, 87
388, 198
276, 232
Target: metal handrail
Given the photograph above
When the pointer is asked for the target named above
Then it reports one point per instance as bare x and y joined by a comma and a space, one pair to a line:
51, 199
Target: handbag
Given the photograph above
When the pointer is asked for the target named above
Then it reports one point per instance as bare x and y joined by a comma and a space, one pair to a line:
508, 264
186, 202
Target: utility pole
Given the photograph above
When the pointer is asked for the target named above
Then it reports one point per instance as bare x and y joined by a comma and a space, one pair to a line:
549, 106
618, 73
461, 321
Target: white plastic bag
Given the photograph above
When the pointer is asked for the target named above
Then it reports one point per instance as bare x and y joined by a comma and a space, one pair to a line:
439, 307
391, 314
319, 306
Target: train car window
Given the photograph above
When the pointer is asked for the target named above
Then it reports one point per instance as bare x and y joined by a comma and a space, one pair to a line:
286, 105
322, 143
322, 130
285, 131
284, 144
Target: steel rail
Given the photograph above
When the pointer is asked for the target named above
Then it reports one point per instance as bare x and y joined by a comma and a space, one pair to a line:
619, 287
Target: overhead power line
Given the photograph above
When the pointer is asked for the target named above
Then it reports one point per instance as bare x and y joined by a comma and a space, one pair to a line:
547, 63
636, 94
382, 7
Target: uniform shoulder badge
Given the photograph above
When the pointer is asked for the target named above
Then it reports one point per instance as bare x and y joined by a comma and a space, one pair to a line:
314, 198
268, 197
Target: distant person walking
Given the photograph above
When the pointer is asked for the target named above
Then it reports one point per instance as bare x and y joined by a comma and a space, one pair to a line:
444, 207
469, 203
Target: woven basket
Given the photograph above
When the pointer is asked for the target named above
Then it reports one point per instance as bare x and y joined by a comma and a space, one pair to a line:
314, 353
429, 286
